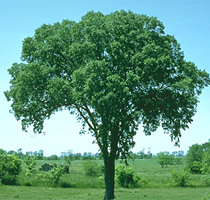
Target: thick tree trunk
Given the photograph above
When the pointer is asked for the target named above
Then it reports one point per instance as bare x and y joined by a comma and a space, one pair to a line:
109, 178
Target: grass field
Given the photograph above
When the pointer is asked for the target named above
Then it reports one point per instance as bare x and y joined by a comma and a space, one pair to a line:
147, 169
42, 193
160, 185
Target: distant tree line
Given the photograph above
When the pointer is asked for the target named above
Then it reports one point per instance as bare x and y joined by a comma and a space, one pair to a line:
39, 155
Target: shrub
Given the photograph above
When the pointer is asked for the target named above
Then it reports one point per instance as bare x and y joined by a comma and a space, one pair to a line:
206, 181
65, 184
181, 178
91, 168
205, 166
8, 179
27, 184
54, 175
195, 167
10, 167
30, 162
126, 177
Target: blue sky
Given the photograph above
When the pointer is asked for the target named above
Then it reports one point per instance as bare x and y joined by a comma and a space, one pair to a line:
188, 21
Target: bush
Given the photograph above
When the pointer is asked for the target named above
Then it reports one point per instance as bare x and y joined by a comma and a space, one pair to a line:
10, 168
181, 178
205, 168
8, 179
27, 184
195, 167
206, 181
65, 184
126, 177
30, 162
54, 175
91, 168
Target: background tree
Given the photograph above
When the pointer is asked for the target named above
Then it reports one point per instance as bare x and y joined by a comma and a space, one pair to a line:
114, 72
40, 155
165, 159
197, 158
53, 157
10, 168
195, 153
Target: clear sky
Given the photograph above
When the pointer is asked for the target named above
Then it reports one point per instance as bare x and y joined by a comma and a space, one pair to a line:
188, 21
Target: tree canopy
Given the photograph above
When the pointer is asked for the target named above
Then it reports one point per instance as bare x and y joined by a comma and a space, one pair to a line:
114, 72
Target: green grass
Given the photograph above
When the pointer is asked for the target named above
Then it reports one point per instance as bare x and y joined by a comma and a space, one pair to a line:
148, 169
45, 193
160, 185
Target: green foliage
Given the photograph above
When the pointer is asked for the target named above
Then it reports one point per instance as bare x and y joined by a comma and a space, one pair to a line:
10, 168
164, 159
54, 175
178, 160
181, 178
114, 72
195, 167
198, 158
206, 197
30, 162
68, 159
52, 157
205, 169
91, 168
126, 177
65, 184
206, 180
194, 154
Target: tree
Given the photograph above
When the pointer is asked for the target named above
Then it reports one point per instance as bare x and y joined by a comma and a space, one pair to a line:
2, 151
194, 154
20, 153
52, 157
114, 72
197, 158
165, 159
10, 168
40, 155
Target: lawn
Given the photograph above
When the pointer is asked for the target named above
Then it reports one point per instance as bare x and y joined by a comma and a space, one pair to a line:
42, 193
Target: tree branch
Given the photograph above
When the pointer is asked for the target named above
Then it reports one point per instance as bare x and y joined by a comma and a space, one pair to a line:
92, 127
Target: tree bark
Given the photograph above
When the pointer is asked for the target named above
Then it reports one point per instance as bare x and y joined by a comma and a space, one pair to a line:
109, 173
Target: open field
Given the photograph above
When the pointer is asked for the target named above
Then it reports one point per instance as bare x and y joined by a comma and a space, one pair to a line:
160, 184
42, 193
149, 169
